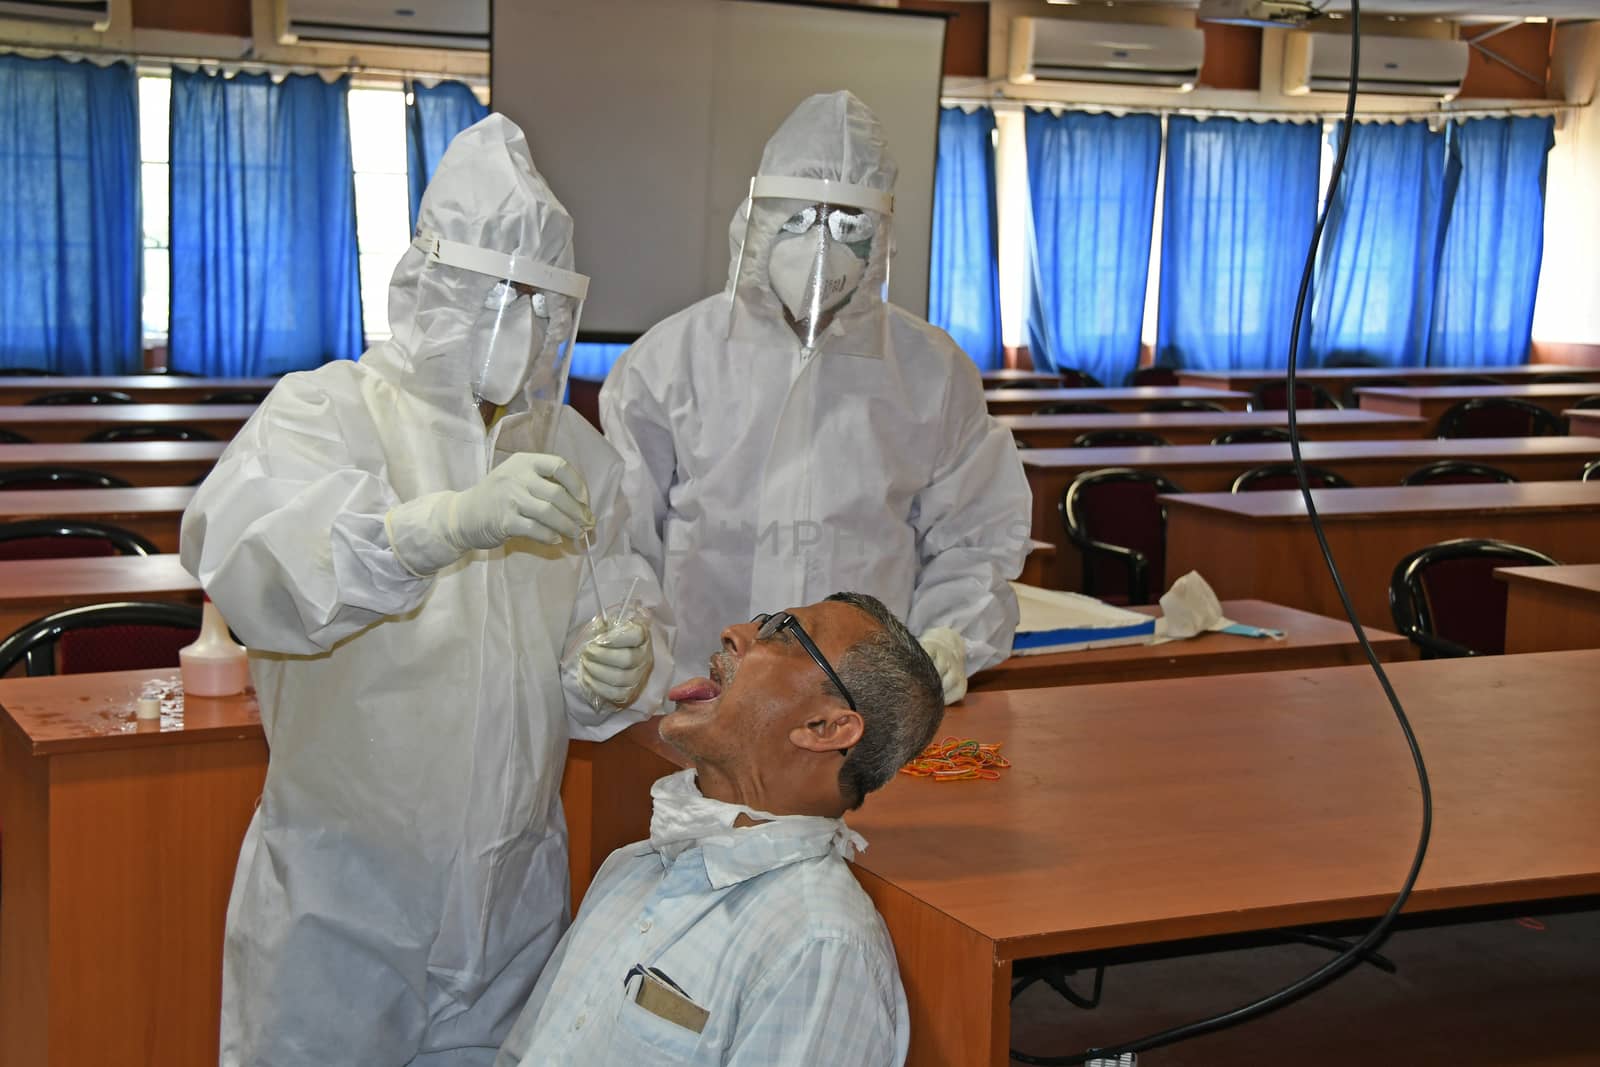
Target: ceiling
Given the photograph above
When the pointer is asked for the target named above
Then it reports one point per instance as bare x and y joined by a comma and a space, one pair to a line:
1459, 10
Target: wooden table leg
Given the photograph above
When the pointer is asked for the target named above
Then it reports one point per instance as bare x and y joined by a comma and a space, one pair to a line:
958, 992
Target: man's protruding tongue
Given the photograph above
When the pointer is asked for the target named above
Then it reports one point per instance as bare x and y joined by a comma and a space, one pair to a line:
695, 689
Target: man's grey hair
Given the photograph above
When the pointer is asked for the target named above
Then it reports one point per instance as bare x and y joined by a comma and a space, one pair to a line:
897, 693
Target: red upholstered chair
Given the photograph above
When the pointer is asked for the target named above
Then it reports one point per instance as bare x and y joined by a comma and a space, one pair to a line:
1073, 378
1251, 435
1074, 407
1185, 405
237, 396
1114, 517
58, 478
1155, 376
83, 396
1456, 472
102, 637
149, 433
1282, 476
1498, 416
1589, 403
63, 539
1446, 600
1118, 439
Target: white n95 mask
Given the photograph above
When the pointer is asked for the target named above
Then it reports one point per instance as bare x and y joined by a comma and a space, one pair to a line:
812, 281
507, 338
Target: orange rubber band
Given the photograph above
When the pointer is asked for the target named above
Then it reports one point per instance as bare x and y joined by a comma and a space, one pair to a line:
956, 759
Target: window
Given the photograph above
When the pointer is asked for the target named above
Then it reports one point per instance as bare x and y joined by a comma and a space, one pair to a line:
155, 112
383, 206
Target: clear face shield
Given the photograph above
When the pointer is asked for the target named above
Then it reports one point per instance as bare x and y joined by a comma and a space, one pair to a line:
524, 321
815, 259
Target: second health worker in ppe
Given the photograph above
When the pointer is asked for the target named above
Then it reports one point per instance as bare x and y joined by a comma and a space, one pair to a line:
397, 540
795, 434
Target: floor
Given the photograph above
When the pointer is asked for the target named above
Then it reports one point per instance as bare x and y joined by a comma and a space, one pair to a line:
1494, 992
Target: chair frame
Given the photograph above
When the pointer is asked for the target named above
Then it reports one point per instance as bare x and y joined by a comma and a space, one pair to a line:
82, 396
1229, 437
1208, 406
1409, 606
74, 476
133, 433
1591, 471
1152, 439
34, 644
1328, 479
1075, 407
1325, 400
1420, 476
1137, 562
126, 542
1544, 423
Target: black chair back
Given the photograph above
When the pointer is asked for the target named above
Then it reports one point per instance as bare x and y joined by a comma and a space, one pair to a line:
1456, 472
1498, 416
1074, 407
1114, 517
1251, 435
1185, 405
1155, 376
1446, 599
10, 437
1282, 476
63, 539
58, 478
1274, 396
1118, 439
149, 433
127, 635
83, 396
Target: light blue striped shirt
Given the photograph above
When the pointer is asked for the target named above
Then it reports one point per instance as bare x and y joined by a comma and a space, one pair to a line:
763, 926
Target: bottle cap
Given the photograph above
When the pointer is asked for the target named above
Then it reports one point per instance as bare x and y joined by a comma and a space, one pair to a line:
149, 708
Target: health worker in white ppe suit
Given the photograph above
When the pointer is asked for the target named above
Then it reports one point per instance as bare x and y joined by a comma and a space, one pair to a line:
796, 435
404, 562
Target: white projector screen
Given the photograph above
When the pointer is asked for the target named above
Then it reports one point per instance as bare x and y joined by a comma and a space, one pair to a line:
648, 117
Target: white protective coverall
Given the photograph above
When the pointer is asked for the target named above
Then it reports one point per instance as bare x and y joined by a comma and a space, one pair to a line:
405, 876
761, 475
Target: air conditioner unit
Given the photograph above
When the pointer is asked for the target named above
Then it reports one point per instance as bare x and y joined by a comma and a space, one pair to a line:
1392, 66
1118, 53
84, 14
456, 24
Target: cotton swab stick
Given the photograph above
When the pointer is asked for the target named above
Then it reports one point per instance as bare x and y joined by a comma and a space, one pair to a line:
594, 581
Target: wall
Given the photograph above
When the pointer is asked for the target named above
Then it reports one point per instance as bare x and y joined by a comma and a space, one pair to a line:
1568, 309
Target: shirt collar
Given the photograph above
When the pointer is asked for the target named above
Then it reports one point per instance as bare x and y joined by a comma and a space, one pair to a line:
682, 818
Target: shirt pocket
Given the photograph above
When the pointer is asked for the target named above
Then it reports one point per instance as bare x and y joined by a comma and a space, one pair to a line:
641, 1037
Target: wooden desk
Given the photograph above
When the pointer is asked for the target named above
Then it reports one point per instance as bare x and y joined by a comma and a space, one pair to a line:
135, 462
999, 379
145, 388
1212, 469
1337, 379
74, 422
1199, 427
1130, 399
32, 588
1311, 641
1039, 564
120, 844
1151, 812
1261, 544
1429, 404
152, 512
1551, 608
1583, 422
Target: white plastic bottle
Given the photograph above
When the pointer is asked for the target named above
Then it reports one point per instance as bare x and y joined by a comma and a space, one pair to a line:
215, 665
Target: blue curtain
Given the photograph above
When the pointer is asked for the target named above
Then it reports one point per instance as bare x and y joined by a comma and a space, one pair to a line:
964, 262
1240, 204
1380, 250
593, 361
1489, 272
69, 217
264, 274
1092, 186
434, 116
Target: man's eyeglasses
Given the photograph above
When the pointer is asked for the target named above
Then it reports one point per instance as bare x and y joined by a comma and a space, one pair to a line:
768, 626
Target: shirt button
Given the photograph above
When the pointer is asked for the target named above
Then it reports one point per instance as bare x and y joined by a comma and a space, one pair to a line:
644, 926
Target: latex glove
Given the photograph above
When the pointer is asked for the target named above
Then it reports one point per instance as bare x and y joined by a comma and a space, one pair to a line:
613, 666
948, 650
530, 494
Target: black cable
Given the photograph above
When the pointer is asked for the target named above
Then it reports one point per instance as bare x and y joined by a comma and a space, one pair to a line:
1352, 955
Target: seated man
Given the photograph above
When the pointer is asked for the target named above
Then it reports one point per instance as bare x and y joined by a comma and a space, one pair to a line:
736, 934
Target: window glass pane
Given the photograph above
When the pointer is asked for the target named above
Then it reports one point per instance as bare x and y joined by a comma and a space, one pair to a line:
155, 101
155, 292
383, 220
155, 201
375, 272
377, 130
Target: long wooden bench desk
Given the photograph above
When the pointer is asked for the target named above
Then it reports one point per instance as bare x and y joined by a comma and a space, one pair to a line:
1013, 376
1155, 812
135, 462
154, 512
1130, 399
1429, 404
144, 388
1337, 379
33, 588
1261, 544
1212, 469
45, 424
1199, 427
1583, 421
1552, 608
1310, 641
